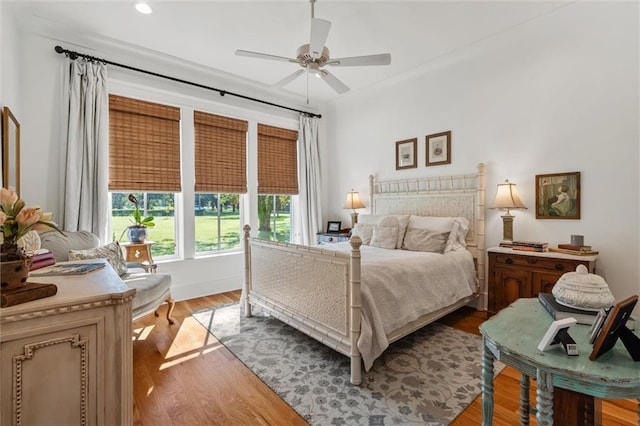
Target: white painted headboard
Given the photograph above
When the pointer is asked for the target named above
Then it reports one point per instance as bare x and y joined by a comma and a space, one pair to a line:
453, 196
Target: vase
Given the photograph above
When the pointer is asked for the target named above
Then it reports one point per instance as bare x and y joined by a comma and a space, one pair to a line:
137, 234
14, 273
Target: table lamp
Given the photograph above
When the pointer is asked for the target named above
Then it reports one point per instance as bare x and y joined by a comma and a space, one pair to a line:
353, 202
507, 198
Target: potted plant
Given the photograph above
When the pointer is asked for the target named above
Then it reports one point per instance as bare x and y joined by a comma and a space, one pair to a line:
137, 232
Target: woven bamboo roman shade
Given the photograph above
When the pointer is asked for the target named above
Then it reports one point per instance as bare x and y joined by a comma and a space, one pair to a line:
277, 160
220, 154
144, 146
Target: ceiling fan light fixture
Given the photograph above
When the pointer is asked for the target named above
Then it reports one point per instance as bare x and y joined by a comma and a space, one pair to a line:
143, 8
314, 69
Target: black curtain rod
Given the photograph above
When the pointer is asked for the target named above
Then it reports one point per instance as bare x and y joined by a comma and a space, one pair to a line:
74, 55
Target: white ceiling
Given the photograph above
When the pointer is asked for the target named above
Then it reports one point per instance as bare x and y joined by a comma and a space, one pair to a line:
207, 33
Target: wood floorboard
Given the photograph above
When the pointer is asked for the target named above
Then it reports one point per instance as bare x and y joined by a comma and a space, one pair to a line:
184, 376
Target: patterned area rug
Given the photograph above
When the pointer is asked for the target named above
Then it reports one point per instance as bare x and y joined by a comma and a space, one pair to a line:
426, 378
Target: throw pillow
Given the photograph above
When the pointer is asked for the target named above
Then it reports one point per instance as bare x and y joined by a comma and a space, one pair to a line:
427, 233
365, 226
386, 233
111, 252
365, 232
458, 236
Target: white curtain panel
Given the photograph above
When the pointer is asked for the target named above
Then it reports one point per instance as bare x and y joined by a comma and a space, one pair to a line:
85, 162
308, 210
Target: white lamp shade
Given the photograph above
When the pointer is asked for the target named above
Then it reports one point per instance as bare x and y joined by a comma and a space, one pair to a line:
507, 197
353, 201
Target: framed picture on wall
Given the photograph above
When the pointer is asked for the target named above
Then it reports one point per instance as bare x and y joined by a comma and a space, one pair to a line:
558, 196
439, 148
406, 154
10, 151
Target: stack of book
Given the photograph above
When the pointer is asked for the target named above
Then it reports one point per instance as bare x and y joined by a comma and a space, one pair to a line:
560, 311
575, 250
42, 259
530, 246
31, 291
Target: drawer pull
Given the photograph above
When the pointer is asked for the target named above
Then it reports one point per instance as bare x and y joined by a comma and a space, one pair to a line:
330, 239
508, 261
559, 267
532, 261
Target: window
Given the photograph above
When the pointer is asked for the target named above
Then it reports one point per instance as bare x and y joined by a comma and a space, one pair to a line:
274, 216
144, 159
159, 205
220, 178
217, 222
277, 181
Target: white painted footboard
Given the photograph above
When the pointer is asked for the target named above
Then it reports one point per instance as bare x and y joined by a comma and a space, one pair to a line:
313, 289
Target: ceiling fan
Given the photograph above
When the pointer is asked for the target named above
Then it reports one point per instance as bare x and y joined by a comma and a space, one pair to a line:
314, 56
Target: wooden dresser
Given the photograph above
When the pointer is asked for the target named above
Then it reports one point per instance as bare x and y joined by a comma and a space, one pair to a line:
516, 274
67, 359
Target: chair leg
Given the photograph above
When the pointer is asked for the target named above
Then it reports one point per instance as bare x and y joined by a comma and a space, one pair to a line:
171, 304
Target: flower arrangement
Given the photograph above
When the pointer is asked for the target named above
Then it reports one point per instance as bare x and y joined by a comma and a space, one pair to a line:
16, 221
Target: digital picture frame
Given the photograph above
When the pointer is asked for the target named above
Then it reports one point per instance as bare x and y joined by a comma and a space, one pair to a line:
558, 333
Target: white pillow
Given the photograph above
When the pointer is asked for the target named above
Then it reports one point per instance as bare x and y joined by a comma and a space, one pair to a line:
365, 226
428, 233
403, 222
111, 252
458, 236
364, 231
385, 235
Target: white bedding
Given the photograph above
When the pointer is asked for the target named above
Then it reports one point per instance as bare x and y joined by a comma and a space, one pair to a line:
399, 286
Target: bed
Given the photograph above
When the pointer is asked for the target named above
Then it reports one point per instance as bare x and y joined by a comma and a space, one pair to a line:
336, 293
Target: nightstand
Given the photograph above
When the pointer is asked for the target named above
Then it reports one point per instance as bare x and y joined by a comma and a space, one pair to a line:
331, 237
139, 253
515, 274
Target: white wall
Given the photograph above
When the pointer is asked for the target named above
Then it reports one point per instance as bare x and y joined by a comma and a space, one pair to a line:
557, 94
9, 55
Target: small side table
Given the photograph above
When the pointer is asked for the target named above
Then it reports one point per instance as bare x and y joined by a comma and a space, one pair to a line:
332, 237
512, 336
140, 253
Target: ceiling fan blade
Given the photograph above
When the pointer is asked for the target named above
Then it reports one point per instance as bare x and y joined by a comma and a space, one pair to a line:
288, 79
333, 81
250, 54
354, 61
319, 33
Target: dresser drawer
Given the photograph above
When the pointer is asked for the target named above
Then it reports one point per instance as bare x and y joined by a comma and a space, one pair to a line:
558, 265
327, 238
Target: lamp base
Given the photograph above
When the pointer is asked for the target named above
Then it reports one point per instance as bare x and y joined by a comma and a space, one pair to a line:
354, 219
507, 230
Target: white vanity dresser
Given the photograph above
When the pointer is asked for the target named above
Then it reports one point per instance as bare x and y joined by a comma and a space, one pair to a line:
67, 359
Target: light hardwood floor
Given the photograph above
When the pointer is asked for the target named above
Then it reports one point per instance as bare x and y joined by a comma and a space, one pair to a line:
184, 376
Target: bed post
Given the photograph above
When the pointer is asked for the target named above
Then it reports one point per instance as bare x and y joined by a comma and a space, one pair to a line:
371, 189
356, 306
480, 236
247, 271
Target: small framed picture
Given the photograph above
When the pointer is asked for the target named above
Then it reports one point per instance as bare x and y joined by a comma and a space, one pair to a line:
406, 154
615, 328
597, 325
558, 196
555, 333
333, 226
439, 148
